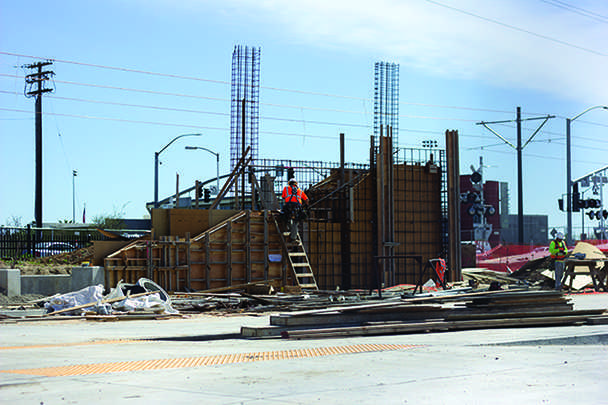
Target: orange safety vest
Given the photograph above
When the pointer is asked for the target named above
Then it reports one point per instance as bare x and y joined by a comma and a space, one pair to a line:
293, 194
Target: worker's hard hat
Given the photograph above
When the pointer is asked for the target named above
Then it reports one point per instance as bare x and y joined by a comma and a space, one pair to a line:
559, 235
292, 181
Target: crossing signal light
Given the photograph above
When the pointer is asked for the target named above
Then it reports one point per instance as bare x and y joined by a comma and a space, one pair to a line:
206, 195
290, 173
599, 214
560, 204
476, 177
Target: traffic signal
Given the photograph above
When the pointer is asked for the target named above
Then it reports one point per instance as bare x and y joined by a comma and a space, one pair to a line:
290, 173
593, 203
198, 190
576, 198
207, 195
560, 204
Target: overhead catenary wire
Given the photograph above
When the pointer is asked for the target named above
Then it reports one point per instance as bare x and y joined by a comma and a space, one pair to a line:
289, 134
512, 27
577, 10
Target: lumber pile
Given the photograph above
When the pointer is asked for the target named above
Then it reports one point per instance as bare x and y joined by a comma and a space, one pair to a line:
480, 276
441, 312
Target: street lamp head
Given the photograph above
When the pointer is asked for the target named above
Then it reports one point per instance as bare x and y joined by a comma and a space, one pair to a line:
191, 148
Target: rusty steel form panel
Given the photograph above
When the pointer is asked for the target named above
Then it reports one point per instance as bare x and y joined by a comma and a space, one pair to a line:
454, 257
417, 232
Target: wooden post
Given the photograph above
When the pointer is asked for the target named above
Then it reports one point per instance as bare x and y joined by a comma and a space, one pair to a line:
248, 247
229, 253
188, 260
266, 245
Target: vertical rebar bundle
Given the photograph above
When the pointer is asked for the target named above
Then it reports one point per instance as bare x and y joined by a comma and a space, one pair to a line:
386, 99
244, 122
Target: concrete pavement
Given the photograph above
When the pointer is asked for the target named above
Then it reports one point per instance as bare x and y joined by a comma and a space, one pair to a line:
203, 360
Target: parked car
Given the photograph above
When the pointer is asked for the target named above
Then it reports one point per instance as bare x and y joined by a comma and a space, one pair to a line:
43, 249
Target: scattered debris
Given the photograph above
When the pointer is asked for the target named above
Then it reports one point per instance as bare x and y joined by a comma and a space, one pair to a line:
440, 311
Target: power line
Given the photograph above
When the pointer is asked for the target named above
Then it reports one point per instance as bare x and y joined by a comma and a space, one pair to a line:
216, 128
162, 93
176, 76
228, 100
546, 157
577, 10
264, 117
558, 41
300, 135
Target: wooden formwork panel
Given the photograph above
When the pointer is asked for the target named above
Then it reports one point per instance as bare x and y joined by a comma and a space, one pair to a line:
324, 253
417, 225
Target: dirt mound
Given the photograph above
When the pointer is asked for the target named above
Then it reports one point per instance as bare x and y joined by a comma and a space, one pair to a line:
76, 257
56, 264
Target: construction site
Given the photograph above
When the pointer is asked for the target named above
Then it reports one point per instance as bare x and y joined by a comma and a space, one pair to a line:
228, 308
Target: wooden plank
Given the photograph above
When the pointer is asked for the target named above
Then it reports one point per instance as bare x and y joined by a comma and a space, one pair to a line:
433, 326
207, 264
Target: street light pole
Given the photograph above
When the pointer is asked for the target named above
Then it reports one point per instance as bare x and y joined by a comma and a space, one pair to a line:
569, 238
156, 155
217, 163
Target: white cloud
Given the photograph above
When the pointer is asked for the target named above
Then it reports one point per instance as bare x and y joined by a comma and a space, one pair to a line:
449, 43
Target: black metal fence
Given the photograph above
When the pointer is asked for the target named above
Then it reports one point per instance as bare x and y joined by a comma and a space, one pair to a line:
18, 242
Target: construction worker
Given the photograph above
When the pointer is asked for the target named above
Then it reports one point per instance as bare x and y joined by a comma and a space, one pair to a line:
293, 198
558, 251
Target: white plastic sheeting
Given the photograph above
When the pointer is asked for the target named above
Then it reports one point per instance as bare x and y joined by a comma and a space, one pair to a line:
85, 296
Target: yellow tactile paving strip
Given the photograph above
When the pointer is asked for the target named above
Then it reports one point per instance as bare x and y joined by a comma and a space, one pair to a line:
160, 364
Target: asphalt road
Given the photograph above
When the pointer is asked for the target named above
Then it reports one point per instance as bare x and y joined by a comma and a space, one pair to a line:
203, 360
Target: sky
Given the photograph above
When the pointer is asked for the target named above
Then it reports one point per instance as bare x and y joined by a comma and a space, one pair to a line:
132, 75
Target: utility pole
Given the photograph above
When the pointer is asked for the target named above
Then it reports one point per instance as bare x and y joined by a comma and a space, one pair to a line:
519, 148
520, 187
34, 83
